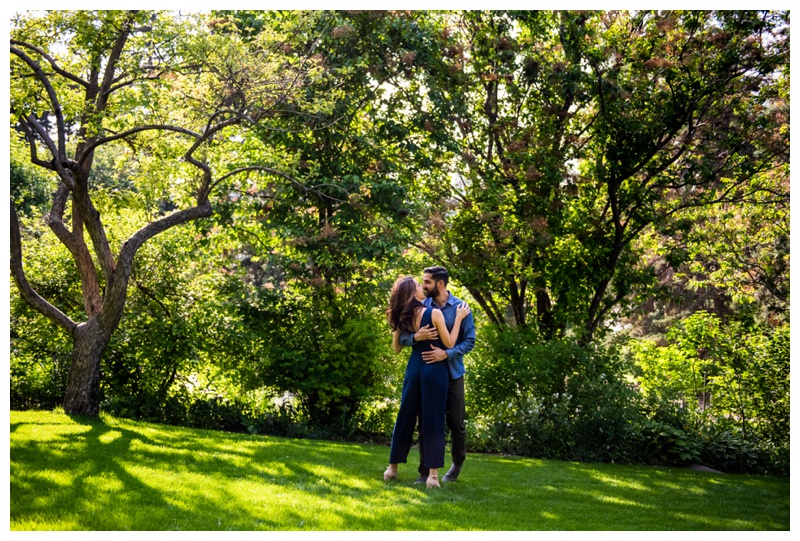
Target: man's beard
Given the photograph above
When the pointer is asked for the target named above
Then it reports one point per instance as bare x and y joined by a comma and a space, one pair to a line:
430, 294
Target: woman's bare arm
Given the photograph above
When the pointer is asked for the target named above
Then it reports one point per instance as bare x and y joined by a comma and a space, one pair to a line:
449, 338
446, 337
396, 341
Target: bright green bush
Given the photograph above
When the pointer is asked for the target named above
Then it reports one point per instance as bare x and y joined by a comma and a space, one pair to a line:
30, 186
37, 382
720, 388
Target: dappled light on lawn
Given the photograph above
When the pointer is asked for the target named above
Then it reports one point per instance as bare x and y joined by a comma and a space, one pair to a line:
116, 474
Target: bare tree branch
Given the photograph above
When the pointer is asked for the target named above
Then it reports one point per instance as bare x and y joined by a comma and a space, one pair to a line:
103, 140
31, 138
282, 175
59, 70
111, 64
51, 94
27, 292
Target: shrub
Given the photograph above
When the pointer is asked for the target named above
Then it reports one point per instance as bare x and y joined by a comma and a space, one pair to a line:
333, 359
741, 371
216, 413
726, 450
553, 399
281, 420
667, 445
37, 382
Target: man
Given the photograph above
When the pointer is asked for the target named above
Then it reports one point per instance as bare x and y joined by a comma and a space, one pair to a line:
434, 283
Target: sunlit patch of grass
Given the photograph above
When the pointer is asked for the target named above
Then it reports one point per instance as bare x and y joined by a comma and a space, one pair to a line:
116, 474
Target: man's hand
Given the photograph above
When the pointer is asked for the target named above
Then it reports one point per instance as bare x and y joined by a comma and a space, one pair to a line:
428, 332
434, 356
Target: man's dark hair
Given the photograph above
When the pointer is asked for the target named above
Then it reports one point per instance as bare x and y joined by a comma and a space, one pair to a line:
437, 273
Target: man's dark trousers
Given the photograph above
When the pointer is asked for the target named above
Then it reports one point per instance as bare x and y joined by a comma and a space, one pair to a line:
457, 423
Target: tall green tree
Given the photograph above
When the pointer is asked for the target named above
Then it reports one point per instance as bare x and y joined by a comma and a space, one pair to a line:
317, 255
348, 213
569, 134
168, 92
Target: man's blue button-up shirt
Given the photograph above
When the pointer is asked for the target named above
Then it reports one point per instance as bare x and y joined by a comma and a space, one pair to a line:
466, 335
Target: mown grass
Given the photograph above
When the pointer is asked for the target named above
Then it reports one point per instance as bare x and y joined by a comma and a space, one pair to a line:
116, 474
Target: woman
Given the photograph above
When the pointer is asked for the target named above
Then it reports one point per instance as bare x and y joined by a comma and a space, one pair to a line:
424, 384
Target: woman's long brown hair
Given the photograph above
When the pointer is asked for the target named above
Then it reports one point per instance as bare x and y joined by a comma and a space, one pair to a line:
403, 305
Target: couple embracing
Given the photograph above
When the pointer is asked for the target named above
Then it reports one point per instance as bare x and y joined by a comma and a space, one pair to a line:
440, 330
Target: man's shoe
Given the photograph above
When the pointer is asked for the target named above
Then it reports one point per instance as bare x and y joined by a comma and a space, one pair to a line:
452, 474
421, 479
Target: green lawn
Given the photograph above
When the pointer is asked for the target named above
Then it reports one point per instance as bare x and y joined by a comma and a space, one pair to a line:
115, 474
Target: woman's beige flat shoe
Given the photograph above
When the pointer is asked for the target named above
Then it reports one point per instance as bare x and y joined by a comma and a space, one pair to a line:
389, 474
432, 482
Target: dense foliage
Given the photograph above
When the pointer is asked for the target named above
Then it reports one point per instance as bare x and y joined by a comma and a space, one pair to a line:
568, 135
715, 394
610, 191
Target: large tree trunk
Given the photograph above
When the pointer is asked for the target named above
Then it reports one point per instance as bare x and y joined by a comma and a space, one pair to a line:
90, 339
82, 395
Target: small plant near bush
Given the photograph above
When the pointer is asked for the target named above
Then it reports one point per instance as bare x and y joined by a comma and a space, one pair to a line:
725, 449
667, 445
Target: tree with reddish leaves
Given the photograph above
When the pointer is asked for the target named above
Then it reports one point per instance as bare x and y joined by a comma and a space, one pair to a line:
567, 135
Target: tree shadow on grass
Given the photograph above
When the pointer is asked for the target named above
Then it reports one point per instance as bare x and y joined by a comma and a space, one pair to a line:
75, 478
117, 475
159, 480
